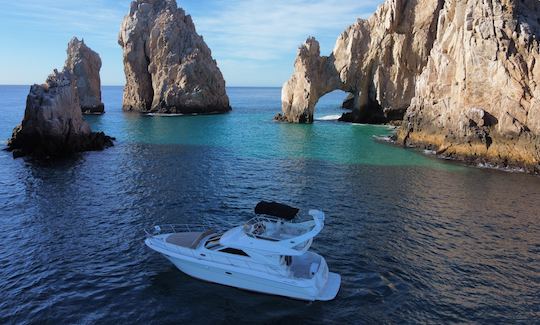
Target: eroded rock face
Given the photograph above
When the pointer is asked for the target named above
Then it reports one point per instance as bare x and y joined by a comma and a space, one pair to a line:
313, 77
53, 123
478, 97
168, 66
464, 73
84, 65
376, 60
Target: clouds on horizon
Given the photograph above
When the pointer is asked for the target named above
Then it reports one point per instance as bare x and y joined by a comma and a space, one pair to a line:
254, 41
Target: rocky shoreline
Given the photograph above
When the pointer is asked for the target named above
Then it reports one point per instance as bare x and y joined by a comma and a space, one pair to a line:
498, 155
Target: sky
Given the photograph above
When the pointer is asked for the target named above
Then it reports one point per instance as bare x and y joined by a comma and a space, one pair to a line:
253, 41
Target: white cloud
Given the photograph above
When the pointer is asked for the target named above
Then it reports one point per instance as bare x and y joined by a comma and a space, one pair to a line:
264, 30
98, 18
254, 41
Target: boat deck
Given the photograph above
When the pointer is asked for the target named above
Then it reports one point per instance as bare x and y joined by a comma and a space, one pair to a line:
188, 239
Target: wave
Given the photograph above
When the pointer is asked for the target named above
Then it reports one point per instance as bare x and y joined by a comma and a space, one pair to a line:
164, 114
383, 138
333, 117
507, 169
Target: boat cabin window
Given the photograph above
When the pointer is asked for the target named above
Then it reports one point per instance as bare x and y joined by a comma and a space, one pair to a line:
287, 260
213, 242
234, 251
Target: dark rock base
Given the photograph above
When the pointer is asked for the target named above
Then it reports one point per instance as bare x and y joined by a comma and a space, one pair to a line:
302, 119
354, 117
280, 118
498, 152
180, 109
92, 110
50, 147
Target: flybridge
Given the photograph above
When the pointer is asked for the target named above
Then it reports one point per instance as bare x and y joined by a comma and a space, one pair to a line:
275, 236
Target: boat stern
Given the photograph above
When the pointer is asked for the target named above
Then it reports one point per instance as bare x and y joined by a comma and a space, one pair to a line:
327, 282
331, 288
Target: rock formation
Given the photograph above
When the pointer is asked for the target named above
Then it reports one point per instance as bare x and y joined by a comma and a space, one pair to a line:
84, 65
478, 97
53, 123
463, 74
376, 60
313, 77
168, 66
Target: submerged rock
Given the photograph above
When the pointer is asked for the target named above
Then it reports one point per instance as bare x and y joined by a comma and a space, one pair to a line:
53, 123
84, 65
168, 66
463, 75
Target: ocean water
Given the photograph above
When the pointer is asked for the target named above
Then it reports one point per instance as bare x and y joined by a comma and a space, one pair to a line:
415, 239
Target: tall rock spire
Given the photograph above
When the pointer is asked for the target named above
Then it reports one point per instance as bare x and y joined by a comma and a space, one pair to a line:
168, 66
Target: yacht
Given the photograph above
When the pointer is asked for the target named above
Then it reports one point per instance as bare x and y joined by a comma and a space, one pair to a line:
268, 254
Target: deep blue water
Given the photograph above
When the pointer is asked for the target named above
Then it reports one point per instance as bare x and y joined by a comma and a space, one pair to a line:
415, 239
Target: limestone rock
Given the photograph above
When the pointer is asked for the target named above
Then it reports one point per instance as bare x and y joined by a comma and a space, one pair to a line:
313, 77
483, 67
348, 102
53, 123
84, 65
168, 66
464, 75
375, 60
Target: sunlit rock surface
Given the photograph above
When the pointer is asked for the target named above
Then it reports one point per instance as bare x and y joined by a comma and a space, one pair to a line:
376, 60
84, 65
478, 98
462, 74
168, 66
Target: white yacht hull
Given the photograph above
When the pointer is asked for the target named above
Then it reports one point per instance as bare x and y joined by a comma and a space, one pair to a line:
253, 280
234, 277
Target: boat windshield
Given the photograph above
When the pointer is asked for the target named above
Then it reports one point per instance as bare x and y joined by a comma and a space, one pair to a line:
273, 229
213, 242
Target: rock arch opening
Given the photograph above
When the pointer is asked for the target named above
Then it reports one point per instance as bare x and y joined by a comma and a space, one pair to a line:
330, 106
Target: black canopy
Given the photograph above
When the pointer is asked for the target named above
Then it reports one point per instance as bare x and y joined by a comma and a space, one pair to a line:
276, 209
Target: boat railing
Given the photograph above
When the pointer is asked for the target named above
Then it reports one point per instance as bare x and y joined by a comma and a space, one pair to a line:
252, 229
248, 227
185, 227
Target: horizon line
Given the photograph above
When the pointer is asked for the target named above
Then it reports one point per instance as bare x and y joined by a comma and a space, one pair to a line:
1, 84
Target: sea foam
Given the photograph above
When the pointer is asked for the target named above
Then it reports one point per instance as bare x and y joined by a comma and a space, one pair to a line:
333, 117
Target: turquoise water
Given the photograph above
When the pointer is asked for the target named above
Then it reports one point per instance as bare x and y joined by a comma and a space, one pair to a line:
250, 132
415, 239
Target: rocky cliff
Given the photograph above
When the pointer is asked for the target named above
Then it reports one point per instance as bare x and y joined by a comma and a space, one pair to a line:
478, 97
168, 66
84, 65
376, 60
53, 123
462, 74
